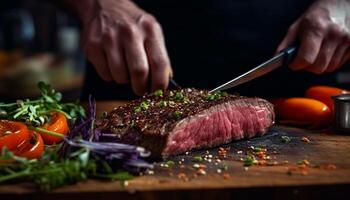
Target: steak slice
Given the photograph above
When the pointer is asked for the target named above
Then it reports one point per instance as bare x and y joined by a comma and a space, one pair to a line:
173, 122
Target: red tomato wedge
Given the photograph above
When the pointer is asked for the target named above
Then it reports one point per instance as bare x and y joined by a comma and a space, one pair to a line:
58, 124
303, 112
32, 148
12, 134
324, 94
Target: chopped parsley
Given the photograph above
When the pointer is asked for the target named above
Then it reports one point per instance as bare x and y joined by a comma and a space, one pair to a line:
170, 163
158, 93
285, 139
258, 149
137, 109
163, 104
179, 96
249, 161
197, 159
215, 96
178, 114
144, 105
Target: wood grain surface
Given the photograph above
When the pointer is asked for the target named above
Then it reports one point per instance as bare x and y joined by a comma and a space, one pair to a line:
319, 179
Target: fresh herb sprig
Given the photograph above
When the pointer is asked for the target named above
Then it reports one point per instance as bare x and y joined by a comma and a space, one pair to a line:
50, 171
37, 112
79, 157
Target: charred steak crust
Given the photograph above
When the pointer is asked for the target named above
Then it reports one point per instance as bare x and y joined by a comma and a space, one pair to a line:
151, 120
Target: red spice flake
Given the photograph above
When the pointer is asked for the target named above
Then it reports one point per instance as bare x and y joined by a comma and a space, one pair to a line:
305, 139
260, 154
302, 167
226, 176
305, 172
262, 162
222, 152
201, 172
330, 167
183, 177
201, 166
304, 162
291, 169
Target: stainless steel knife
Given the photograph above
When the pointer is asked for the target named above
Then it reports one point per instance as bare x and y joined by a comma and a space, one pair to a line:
279, 60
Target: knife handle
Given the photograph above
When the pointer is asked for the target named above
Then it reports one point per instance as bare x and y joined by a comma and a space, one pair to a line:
289, 54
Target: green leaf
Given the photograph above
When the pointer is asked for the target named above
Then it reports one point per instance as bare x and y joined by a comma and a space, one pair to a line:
84, 158
170, 163
249, 161
121, 176
197, 159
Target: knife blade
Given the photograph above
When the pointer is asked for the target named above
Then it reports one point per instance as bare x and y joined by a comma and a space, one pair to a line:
277, 61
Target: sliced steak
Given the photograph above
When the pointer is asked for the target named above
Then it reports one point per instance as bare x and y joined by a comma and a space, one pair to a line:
177, 121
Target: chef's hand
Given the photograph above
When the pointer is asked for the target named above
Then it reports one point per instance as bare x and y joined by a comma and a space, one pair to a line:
125, 44
324, 35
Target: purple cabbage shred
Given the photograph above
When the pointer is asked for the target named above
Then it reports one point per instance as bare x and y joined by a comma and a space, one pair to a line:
117, 155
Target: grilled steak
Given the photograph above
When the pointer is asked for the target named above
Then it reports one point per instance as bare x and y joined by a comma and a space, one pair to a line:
173, 122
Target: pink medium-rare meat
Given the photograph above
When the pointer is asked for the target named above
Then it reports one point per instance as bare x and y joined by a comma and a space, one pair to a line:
177, 121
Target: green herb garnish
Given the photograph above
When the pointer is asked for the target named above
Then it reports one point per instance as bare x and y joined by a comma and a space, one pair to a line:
137, 109
170, 163
258, 149
197, 159
38, 111
224, 167
63, 164
179, 96
249, 161
163, 104
145, 105
178, 114
286, 139
214, 96
158, 93
50, 172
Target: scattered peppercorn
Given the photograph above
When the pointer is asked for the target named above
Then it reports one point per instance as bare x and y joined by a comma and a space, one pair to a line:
305, 139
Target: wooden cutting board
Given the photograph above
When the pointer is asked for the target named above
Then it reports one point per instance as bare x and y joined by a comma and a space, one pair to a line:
328, 172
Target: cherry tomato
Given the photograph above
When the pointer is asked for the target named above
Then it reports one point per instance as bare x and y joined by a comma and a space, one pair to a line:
32, 148
58, 124
324, 94
303, 112
12, 134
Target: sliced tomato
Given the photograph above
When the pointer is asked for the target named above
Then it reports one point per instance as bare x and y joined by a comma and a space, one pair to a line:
324, 94
12, 134
32, 148
58, 124
303, 112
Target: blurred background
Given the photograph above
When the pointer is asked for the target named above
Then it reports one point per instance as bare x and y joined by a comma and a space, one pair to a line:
39, 41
